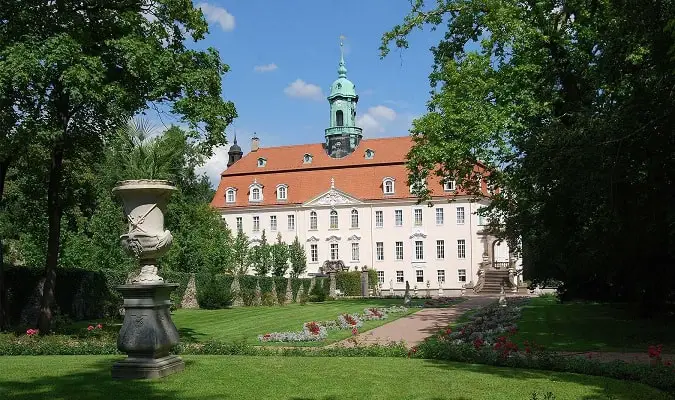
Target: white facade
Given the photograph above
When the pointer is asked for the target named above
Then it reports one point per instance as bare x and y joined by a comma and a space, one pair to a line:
439, 242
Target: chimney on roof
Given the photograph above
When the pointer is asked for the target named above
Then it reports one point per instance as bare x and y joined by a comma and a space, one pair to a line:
255, 142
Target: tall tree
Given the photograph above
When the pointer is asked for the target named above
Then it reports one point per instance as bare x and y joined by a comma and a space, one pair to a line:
261, 256
240, 255
279, 257
298, 258
89, 66
571, 108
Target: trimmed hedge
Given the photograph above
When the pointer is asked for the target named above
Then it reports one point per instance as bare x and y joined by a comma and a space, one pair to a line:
84, 294
349, 282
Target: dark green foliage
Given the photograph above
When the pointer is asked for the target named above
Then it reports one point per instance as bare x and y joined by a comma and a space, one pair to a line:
211, 296
372, 279
297, 258
280, 253
318, 293
349, 282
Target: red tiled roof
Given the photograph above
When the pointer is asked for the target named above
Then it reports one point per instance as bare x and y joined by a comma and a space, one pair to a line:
354, 174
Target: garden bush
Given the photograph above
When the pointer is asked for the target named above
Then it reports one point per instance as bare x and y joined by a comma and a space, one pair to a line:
211, 296
318, 293
349, 282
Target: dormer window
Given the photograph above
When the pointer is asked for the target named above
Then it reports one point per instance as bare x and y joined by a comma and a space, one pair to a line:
230, 195
449, 186
282, 192
369, 154
307, 159
262, 161
388, 185
255, 192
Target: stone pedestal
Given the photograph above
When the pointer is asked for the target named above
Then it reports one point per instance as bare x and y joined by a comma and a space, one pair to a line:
147, 333
331, 289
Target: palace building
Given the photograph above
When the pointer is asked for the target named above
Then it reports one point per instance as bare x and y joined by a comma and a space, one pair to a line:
347, 199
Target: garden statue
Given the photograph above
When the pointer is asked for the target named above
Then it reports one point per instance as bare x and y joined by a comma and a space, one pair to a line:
379, 289
391, 287
147, 333
415, 291
440, 288
289, 292
235, 289
300, 294
428, 288
258, 294
406, 296
502, 297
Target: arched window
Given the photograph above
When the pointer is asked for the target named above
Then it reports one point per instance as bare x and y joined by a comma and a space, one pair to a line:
355, 219
339, 118
313, 220
282, 192
230, 196
388, 185
333, 220
255, 194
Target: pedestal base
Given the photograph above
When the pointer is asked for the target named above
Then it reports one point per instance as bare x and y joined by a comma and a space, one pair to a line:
147, 368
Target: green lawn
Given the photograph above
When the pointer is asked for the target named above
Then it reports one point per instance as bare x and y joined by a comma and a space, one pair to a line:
301, 378
246, 323
591, 327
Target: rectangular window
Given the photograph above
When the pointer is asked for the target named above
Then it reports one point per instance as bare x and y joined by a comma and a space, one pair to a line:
460, 215
240, 224
334, 252
399, 276
355, 252
355, 219
419, 274
461, 275
291, 222
398, 215
273, 222
313, 221
230, 196
439, 216
314, 252
441, 275
440, 249
256, 224
449, 186
399, 250
333, 219
419, 250
379, 251
380, 276
418, 217
461, 248
379, 219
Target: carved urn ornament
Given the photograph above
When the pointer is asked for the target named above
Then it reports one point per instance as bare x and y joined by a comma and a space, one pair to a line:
145, 203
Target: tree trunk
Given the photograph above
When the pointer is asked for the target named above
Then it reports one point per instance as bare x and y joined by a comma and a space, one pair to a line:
54, 238
3, 322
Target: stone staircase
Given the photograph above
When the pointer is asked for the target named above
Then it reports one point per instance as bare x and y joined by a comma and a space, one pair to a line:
492, 281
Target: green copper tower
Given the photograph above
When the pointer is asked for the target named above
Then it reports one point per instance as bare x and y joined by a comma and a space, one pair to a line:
343, 136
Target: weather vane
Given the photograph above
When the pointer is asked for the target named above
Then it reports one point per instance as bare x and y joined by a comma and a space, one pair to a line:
342, 38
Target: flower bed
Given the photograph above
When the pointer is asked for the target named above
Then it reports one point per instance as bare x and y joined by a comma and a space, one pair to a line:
442, 302
344, 321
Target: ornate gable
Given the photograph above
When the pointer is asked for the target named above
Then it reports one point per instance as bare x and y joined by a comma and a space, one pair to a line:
333, 197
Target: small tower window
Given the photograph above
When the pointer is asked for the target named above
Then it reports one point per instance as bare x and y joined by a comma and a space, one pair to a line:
388, 185
307, 159
339, 118
369, 154
262, 161
231, 195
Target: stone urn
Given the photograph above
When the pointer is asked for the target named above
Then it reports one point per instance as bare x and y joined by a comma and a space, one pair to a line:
148, 333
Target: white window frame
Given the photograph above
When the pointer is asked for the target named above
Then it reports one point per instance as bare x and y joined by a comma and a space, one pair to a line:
418, 212
380, 276
440, 275
440, 216
461, 215
461, 249
262, 161
461, 275
334, 220
379, 218
231, 192
256, 223
449, 186
282, 192
354, 219
419, 250
398, 255
314, 252
440, 249
334, 251
398, 213
389, 185
369, 154
273, 223
313, 221
379, 251
355, 251
400, 277
307, 158
290, 221
253, 189
419, 276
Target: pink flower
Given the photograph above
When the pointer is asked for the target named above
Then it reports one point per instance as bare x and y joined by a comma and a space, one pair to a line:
31, 332
355, 331
89, 328
99, 326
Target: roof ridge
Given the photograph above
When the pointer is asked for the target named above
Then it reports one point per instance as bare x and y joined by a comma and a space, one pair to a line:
321, 143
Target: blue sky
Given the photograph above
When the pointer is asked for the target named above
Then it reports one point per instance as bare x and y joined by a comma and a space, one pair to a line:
284, 56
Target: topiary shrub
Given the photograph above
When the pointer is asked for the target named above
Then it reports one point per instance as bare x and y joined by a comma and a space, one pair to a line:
212, 296
349, 282
318, 294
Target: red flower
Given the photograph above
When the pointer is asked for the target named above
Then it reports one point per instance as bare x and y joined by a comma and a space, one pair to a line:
89, 328
448, 331
478, 343
655, 351
355, 331
313, 327
99, 326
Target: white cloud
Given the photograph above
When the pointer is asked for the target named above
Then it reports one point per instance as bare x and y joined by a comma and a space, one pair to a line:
215, 165
376, 119
265, 68
218, 15
302, 89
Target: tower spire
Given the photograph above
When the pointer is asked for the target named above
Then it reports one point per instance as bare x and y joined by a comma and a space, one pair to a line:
342, 69
235, 137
